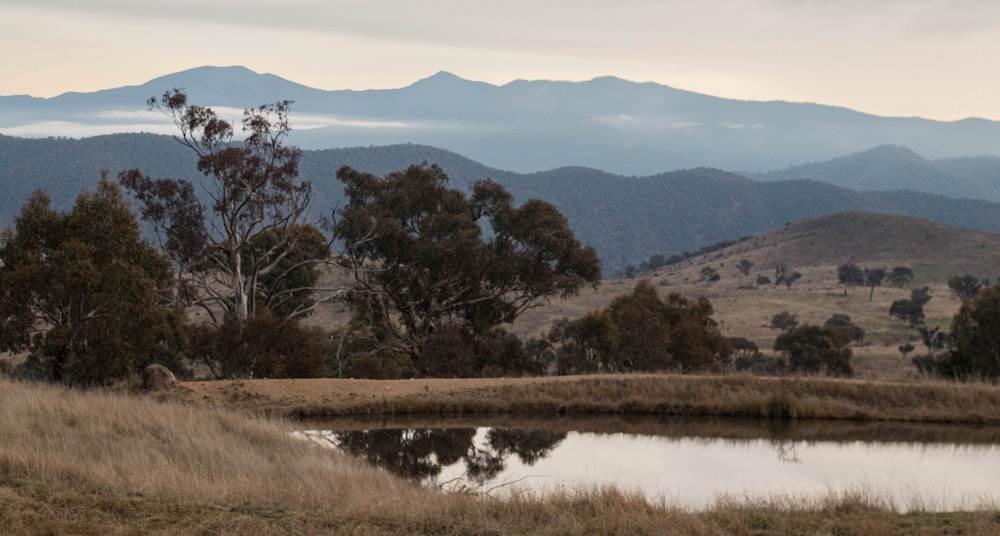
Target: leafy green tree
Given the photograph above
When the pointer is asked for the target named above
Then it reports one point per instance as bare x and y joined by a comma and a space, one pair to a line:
975, 337
262, 346
590, 345
784, 321
874, 278
709, 275
850, 274
424, 256
784, 275
911, 310
933, 338
965, 287
900, 276
816, 349
641, 331
82, 292
842, 321
643, 337
744, 267
242, 250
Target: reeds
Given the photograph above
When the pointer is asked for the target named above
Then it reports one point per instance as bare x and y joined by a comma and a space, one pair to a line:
99, 463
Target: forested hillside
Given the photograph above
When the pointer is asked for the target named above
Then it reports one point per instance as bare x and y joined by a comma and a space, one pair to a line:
891, 168
626, 219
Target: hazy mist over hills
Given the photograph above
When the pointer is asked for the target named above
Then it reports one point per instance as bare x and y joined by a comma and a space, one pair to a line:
525, 126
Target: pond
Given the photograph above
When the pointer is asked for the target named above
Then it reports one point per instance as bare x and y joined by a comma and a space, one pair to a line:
688, 463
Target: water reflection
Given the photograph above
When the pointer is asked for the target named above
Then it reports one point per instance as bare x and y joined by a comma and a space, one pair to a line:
421, 454
693, 463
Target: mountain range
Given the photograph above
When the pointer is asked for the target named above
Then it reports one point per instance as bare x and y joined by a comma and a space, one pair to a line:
607, 123
627, 219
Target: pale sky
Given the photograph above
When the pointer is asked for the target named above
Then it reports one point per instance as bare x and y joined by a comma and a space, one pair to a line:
930, 58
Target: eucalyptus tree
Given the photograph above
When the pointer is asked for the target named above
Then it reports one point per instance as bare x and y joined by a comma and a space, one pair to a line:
240, 237
82, 293
425, 256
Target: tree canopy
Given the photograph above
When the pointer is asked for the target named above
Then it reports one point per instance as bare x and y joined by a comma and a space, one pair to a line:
641, 331
975, 336
241, 239
816, 349
424, 255
82, 292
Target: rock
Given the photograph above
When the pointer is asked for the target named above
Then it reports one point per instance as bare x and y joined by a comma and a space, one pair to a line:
156, 377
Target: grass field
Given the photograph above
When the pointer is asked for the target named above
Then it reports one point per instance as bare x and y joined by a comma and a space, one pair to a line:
99, 463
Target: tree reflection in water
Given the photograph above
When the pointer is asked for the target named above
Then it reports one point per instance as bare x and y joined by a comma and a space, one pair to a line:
421, 454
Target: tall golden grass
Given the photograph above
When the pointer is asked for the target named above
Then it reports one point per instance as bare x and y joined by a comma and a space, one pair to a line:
100, 463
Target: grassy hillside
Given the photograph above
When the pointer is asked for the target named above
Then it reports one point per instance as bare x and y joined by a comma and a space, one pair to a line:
815, 247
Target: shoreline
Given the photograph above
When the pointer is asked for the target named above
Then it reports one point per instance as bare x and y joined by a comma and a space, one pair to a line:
930, 401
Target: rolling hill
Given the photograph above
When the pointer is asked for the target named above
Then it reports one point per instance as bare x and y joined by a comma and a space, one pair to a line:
891, 167
626, 219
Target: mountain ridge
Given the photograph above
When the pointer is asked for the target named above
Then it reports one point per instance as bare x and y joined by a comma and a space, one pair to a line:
606, 123
627, 219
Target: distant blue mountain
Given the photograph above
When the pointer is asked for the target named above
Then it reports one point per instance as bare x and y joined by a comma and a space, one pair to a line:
605, 123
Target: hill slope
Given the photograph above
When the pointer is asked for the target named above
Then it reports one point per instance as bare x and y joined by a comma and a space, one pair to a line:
890, 167
626, 219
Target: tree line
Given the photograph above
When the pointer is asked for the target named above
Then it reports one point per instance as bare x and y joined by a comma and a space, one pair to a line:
238, 261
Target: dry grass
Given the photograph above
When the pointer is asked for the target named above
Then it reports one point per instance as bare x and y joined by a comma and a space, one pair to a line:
88, 463
649, 394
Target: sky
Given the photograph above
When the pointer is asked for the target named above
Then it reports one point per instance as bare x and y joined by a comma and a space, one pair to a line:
927, 58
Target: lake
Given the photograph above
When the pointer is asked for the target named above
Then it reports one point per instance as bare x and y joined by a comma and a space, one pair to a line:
686, 462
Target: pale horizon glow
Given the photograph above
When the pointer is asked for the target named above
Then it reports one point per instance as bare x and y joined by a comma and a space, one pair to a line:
905, 58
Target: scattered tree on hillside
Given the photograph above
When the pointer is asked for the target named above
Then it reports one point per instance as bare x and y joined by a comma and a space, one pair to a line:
873, 278
783, 274
82, 292
933, 338
420, 262
744, 267
965, 287
652, 263
905, 349
842, 321
815, 349
784, 321
251, 246
850, 274
709, 275
911, 310
900, 276
763, 280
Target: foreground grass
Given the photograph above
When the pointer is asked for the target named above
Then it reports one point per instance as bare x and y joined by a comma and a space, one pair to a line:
92, 463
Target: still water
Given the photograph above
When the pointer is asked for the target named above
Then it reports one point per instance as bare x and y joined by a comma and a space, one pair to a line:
689, 463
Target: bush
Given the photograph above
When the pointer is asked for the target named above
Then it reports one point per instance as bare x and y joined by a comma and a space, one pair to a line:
816, 349
264, 346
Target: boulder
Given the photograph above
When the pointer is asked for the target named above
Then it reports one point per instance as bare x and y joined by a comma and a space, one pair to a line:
156, 377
